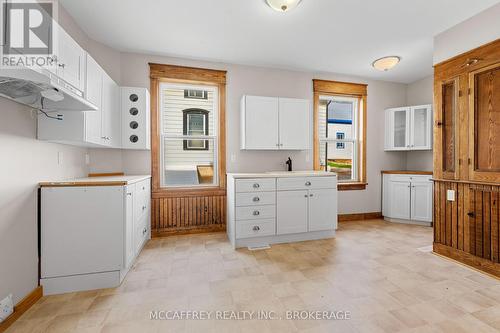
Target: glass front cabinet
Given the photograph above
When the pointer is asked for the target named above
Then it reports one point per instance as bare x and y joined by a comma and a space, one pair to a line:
408, 128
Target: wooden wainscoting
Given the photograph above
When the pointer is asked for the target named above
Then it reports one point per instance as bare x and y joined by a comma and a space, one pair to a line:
188, 214
468, 229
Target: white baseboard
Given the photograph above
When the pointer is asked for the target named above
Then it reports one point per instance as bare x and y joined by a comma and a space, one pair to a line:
278, 239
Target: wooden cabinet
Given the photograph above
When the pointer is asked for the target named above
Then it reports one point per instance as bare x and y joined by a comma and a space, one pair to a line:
484, 120
467, 157
408, 128
407, 197
274, 123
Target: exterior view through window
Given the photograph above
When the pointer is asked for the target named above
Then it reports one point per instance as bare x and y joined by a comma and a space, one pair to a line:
189, 135
338, 135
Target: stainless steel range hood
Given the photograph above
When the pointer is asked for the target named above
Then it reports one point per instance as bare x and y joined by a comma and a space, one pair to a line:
40, 89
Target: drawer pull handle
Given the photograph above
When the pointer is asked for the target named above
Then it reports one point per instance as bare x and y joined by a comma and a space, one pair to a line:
308, 183
311, 195
144, 231
256, 185
143, 207
256, 213
143, 188
256, 199
129, 193
256, 228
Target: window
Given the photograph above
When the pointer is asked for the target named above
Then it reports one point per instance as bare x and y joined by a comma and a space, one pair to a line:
188, 136
195, 94
195, 123
340, 123
340, 136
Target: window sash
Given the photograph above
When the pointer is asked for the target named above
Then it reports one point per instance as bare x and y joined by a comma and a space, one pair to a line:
355, 156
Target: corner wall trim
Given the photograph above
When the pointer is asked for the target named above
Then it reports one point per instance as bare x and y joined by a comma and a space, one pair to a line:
359, 216
27, 302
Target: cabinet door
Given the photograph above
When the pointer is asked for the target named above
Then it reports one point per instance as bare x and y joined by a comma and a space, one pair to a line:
322, 210
421, 201
261, 123
484, 120
398, 136
129, 226
291, 209
110, 111
93, 93
294, 118
70, 60
421, 127
446, 133
399, 206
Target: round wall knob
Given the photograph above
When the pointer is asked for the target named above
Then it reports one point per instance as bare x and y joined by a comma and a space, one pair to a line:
134, 97
134, 111
134, 138
134, 124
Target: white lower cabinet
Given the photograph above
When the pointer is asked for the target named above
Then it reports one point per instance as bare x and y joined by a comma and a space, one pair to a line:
90, 235
407, 198
268, 210
292, 212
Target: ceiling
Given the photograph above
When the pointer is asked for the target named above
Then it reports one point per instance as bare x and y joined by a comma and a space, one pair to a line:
340, 36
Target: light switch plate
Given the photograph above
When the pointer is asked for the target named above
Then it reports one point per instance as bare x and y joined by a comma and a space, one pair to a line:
450, 195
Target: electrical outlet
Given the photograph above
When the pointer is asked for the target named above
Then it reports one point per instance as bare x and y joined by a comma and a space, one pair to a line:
60, 157
6, 307
450, 195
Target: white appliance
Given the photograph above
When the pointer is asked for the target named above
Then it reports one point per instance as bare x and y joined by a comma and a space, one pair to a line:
40, 89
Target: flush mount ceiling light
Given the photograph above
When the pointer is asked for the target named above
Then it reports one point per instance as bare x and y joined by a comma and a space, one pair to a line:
283, 5
386, 63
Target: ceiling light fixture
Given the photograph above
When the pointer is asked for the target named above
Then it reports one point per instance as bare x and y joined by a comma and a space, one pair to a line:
283, 5
386, 63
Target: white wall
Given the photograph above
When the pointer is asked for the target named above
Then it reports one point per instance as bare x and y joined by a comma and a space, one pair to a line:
469, 34
418, 93
25, 162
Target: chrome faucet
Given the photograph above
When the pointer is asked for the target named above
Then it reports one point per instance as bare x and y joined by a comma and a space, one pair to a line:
289, 164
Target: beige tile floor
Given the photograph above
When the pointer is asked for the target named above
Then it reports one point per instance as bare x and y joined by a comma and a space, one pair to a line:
372, 269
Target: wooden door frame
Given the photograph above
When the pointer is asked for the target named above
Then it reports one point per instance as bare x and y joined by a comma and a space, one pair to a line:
189, 75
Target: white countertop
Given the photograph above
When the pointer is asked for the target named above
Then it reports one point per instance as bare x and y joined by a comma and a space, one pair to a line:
284, 174
97, 181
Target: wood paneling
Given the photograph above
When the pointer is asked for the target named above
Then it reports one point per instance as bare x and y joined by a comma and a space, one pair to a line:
21, 307
449, 114
188, 209
183, 214
471, 222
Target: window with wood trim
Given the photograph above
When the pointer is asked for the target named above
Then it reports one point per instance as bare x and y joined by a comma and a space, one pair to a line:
195, 123
340, 131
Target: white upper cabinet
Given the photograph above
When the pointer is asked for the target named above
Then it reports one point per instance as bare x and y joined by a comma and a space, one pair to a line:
70, 60
408, 128
94, 95
111, 121
259, 123
273, 123
294, 124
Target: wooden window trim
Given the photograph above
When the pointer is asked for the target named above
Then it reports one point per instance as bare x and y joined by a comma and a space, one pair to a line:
190, 75
345, 89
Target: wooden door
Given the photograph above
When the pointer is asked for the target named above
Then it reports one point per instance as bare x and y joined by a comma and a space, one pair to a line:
446, 156
294, 128
322, 209
291, 211
484, 119
261, 123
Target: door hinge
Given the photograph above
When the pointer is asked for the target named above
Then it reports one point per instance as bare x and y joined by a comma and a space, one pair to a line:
468, 161
460, 93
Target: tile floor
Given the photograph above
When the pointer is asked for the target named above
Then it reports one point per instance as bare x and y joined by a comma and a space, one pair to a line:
372, 269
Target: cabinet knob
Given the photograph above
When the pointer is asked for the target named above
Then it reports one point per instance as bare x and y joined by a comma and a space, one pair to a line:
256, 185
61, 65
308, 183
305, 195
143, 207
256, 228
256, 199
256, 213
129, 193
311, 195
471, 214
439, 124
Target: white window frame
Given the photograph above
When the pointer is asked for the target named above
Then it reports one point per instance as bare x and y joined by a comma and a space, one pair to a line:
214, 137
205, 124
355, 134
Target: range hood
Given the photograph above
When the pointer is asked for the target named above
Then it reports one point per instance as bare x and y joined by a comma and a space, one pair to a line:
40, 89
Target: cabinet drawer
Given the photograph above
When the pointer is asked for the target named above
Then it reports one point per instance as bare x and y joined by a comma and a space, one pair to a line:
255, 185
140, 234
306, 183
409, 178
254, 199
255, 212
257, 228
